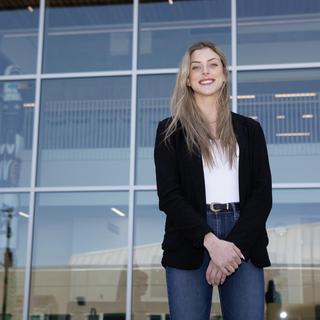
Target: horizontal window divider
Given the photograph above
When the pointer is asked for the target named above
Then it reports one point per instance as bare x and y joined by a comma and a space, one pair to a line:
145, 188
86, 74
17, 77
66, 189
15, 190
297, 185
259, 67
158, 71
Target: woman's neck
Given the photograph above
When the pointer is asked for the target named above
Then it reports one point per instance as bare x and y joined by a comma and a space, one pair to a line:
208, 107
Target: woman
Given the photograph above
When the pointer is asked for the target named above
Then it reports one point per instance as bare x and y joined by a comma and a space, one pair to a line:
214, 184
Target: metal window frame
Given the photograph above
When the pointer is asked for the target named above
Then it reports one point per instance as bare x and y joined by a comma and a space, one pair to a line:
134, 72
32, 199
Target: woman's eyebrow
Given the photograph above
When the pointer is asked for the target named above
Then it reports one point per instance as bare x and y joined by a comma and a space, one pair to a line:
200, 61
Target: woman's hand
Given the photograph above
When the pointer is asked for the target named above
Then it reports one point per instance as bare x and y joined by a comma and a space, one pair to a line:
213, 275
224, 254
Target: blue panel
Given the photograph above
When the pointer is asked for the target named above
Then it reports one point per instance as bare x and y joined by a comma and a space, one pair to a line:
18, 39
88, 37
153, 105
286, 31
85, 132
166, 31
16, 126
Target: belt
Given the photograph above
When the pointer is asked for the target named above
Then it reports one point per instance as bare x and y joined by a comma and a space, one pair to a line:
223, 207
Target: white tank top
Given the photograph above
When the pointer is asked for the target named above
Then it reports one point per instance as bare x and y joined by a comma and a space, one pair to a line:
221, 181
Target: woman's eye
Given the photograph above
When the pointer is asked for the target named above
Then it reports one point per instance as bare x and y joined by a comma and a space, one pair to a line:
213, 64
195, 67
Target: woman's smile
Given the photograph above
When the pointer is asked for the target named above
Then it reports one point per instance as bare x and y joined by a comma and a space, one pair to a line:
206, 81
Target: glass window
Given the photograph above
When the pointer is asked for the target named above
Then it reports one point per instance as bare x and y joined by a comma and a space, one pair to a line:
294, 277
168, 28
293, 229
19, 37
80, 255
85, 132
289, 31
149, 286
14, 214
87, 36
153, 105
17, 101
286, 103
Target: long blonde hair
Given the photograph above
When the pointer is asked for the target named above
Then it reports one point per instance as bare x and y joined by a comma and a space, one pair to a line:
185, 111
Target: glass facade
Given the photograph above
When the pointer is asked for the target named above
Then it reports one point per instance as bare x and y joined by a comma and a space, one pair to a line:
286, 103
79, 258
83, 84
162, 24
14, 221
84, 135
16, 127
19, 25
87, 36
288, 30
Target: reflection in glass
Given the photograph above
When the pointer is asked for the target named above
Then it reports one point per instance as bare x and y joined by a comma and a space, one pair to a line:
153, 105
288, 31
149, 286
14, 214
294, 234
85, 132
80, 254
294, 241
16, 127
287, 104
18, 37
87, 36
167, 30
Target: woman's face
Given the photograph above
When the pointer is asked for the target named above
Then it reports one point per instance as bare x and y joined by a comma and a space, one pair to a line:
206, 75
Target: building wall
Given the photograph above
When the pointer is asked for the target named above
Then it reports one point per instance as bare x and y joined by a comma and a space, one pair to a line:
83, 85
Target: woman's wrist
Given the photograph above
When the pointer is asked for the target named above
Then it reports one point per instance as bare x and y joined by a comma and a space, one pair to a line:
209, 240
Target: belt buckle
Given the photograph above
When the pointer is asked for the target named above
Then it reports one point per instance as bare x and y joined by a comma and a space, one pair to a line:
212, 208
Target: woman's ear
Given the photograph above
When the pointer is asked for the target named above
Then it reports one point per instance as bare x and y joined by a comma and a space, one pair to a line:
188, 82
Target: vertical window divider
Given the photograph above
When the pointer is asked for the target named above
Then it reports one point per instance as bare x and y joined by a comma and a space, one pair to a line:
27, 280
234, 53
132, 159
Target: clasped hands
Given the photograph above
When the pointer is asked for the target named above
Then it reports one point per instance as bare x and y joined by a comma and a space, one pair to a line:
225, 258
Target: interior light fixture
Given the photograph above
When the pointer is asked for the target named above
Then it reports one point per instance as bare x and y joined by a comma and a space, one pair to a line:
29, 105
307, 116
170, 1
118, 212
281, 116
246, 97
283, 315
24, 214
293, 134
30, 9
295, 95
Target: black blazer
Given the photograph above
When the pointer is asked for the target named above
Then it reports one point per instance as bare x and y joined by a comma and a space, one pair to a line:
181, 191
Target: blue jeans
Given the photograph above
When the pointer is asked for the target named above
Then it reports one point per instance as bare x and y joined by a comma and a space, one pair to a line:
241, 295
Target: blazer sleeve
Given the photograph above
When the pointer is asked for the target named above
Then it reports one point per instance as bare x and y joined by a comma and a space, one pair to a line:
257, 206
180, 213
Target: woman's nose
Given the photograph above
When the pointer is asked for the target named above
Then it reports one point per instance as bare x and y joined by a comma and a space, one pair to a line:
205, 70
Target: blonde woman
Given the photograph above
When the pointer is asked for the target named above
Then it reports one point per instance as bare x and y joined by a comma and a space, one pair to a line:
214, 185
